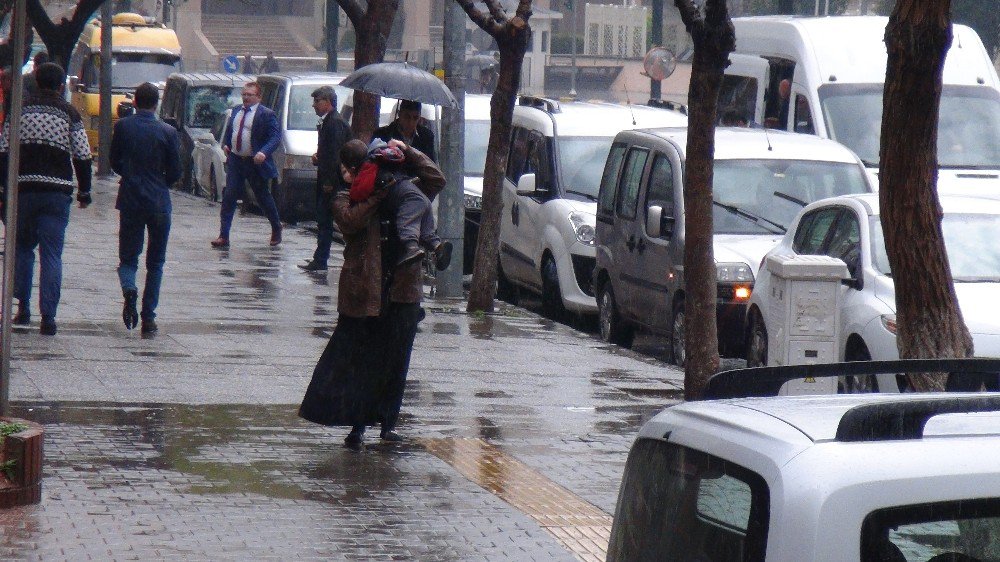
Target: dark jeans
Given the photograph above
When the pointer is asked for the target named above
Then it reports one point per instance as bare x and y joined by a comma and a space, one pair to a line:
414, 219
238, 171
130, 237
42, 221
324, 226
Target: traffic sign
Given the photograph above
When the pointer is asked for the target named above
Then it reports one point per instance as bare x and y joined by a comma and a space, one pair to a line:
231, 64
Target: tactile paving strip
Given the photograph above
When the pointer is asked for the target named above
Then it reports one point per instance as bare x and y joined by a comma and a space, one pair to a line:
579, 526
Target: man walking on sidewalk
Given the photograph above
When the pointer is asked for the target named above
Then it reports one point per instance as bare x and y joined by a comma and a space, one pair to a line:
53, 146
333, 133
253, 134
145, 152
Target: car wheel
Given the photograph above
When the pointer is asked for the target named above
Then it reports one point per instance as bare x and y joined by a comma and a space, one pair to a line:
678, 350
613, 328
857, 384
552, 304
213, 186
506, 290
757, 342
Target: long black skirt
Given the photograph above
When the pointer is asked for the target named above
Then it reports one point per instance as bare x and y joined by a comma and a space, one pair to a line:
361, 376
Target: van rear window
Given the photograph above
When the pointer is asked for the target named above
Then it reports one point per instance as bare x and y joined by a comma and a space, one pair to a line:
681, 504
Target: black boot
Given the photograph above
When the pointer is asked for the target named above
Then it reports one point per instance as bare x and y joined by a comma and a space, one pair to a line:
355, 438
442, 256
23, 316
129, 313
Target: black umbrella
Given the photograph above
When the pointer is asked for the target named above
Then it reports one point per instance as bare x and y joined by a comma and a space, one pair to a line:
401, 81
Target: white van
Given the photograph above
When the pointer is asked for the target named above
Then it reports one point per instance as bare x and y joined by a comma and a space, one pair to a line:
836, 68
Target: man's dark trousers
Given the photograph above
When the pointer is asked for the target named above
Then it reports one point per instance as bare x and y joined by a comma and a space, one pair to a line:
324, 225
42, 221
241, 169
130, 238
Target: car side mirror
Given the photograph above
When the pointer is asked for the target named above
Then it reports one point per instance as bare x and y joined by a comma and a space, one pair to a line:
853, 262
526, 185
659, 222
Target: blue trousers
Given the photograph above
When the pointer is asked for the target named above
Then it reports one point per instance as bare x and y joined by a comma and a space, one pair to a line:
238, 171
131, 230
41, 223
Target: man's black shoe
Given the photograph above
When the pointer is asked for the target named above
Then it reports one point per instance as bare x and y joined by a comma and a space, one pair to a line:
129, 313
442, 256
313, 265
149, 327
391, 437
411, 253
23, 316
48, 327
354, 438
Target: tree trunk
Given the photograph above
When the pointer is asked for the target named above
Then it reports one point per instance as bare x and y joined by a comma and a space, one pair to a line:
371, 29
927, 315
60, 40
484, 270
714, 38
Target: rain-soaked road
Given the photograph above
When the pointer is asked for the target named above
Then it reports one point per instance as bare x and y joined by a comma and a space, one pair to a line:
187, 445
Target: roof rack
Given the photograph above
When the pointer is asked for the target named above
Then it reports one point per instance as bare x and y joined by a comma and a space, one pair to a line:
767, 381
668, 104
545, 104
895, 420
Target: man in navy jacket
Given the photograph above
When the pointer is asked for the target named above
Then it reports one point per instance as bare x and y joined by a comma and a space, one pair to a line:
145, 152
253, 135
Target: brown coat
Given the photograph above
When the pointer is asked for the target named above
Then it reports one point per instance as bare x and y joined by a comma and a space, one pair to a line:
359, 289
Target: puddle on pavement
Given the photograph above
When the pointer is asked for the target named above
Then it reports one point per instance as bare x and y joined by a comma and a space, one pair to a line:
447, 328
489, 327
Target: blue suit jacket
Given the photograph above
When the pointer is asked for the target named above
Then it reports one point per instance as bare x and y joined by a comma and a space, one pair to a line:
265, 136
145, 152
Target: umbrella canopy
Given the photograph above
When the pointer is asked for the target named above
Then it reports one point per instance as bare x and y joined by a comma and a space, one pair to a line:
401, 81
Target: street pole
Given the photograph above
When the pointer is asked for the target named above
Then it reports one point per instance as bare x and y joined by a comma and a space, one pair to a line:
451, 202
104, 126
14, 161
572, 75
332, 29
657, 37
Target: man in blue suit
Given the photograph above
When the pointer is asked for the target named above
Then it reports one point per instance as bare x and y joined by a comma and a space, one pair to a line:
254, 134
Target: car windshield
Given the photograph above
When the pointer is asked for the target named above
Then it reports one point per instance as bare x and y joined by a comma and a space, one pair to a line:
968, 127
581, 163
967, 530
754, 196
206, 103
301, 115
477, 137
970, 240
128, 70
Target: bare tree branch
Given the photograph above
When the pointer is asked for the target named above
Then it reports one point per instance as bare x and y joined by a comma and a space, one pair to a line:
39, 18
496, 11
354, 10
690, 15
524, 9
484, 21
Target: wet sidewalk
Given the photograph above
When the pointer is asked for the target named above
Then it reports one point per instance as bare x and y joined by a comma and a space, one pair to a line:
187, 444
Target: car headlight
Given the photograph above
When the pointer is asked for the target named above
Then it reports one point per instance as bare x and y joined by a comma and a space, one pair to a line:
733, 273
583, 226
473, 202
889, 323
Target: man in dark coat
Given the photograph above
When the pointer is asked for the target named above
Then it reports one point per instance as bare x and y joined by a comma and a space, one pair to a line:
145, 152
333, 133
407, 128
252, 137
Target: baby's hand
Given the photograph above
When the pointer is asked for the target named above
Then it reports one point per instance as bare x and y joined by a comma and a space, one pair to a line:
394, 143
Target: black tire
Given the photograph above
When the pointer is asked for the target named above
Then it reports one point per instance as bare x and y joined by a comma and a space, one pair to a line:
756, 342
506, 291
612, 328
857, 384
213, 186
678, 350
552, 304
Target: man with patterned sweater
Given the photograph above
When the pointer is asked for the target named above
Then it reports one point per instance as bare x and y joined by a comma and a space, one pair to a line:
53, 146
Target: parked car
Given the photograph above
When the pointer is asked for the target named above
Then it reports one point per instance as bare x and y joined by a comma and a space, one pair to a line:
557, 152
749, 476
761, 180
849, 228
210, 160
192, 102
290, 96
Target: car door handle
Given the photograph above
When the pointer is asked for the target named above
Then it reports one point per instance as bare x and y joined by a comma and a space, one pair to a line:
630, 243
640, 245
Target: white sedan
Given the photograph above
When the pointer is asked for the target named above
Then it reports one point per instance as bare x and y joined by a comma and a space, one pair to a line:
850, 228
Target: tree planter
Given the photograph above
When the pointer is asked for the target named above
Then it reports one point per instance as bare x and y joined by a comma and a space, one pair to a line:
23, 484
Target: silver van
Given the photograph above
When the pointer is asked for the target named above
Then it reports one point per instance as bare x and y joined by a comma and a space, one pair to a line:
290, 96
762, 180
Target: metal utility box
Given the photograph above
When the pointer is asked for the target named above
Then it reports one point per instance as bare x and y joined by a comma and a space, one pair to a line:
804, 316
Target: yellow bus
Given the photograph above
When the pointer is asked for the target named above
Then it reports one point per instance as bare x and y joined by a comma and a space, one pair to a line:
142, 51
